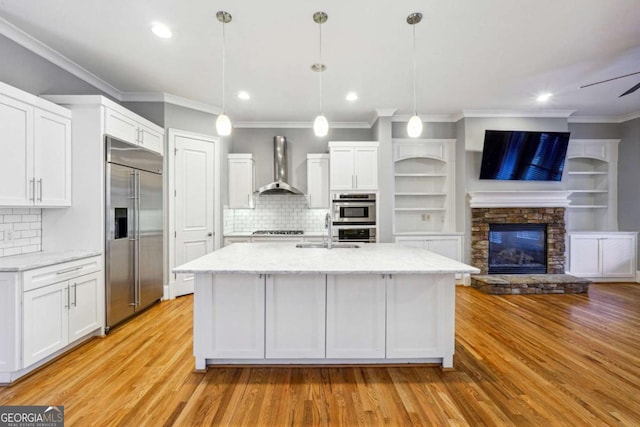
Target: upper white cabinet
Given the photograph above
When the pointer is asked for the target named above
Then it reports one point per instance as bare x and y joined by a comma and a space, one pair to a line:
603, 255
241, 181
424, 185
592, 179
318, 181
353, 165
131, 128
35, 139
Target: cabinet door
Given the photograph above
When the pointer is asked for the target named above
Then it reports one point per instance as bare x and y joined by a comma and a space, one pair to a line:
366, 168
449, 247
16, 146
318, 183
45, 322
355, 316
238, 316
584, 256
240, 183
341, 172
295, 313
83, 305
52, 159
413, 243
420, 316
151, 139
120, 126
618, 256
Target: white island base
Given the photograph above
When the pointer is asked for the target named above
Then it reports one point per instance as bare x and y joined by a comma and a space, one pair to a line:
273, 303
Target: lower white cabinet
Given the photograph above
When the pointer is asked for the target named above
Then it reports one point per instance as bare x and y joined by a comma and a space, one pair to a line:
355, 316
449, 245
47, 310
295, 314
610, 255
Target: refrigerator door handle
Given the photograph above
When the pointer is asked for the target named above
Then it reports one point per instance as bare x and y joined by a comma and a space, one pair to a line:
137, 251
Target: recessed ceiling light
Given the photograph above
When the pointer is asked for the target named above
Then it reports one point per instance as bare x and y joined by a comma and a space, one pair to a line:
161, 30
244, 95
544, 97
352, 96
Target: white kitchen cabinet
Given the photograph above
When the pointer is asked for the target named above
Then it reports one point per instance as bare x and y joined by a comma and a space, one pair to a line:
419, 321
46, 311
318, 181
35, 166
353, 165
238, 316
355, 316
129, 127
241, 181
449, 245
239, 239
295, 316
609, 256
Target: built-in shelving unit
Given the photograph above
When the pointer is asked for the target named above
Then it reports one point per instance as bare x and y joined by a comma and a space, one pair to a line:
423, 186
591, 178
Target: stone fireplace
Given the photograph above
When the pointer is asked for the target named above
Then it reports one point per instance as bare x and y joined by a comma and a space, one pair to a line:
526, 211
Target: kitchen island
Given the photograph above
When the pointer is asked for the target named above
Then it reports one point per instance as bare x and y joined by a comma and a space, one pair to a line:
275, 303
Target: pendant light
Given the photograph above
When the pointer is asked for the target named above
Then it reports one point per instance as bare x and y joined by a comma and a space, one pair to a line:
223, 123
414, 126
320, 124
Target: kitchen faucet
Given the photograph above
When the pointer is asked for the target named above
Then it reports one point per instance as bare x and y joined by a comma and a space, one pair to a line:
328, 224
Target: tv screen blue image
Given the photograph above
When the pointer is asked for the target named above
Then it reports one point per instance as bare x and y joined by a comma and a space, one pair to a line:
524, 156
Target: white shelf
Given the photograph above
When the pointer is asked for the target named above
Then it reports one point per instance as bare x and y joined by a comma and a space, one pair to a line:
419, 209
421, 194
433, 175
587, 173
589, 191
588, 206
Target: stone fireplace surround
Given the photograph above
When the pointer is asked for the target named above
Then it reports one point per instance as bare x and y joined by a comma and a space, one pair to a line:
518, 207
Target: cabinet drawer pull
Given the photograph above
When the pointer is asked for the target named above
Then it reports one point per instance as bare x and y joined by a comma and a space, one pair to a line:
69, 270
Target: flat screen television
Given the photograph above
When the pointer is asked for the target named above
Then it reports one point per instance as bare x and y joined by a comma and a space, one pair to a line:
523, 155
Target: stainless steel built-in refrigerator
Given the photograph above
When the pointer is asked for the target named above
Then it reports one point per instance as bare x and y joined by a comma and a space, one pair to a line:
134, 229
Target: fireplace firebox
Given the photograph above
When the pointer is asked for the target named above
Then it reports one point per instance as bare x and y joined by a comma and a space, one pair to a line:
517, 249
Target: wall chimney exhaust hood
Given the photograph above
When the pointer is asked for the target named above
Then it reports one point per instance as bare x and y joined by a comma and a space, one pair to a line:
279, 185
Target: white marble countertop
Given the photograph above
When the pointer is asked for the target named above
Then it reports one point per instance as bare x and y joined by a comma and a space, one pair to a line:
285, 258
41, 259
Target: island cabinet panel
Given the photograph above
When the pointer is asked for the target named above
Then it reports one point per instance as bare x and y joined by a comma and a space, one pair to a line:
237, 302
295, 316
419, 316
355, 316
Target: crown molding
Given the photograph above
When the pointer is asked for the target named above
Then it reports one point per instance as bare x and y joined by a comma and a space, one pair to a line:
604, 119
171, 99
36, 46
300, 125
443, 118
517, 113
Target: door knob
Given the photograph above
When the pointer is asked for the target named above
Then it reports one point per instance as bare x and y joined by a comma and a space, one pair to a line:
209, 234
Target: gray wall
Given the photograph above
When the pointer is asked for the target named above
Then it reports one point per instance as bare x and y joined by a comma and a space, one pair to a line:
382, 132
444, 130
629, 178
595, 130
34, 74
183, 118
259, 142
152, 111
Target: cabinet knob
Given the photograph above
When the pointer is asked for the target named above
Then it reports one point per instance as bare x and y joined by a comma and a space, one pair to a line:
209, 234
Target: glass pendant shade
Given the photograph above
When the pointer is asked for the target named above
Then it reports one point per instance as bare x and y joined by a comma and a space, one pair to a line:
320, 126
414, 126
223, 125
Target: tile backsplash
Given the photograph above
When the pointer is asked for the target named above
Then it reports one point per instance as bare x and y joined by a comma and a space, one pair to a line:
20, 231
275, 212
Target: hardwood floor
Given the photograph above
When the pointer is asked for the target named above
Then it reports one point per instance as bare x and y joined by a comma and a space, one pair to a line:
520, 360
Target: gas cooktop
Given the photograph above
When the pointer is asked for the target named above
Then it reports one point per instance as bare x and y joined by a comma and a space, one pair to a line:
278, 232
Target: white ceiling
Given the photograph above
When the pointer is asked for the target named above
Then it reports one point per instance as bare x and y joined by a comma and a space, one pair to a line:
472, 55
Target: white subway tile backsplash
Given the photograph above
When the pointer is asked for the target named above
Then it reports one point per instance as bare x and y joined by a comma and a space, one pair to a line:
20, 231
275, 212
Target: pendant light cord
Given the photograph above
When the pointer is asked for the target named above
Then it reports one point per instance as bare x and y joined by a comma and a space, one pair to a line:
415, 113
321, 65
224, 55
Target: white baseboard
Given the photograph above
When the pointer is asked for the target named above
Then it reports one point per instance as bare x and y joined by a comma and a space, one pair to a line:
638, 276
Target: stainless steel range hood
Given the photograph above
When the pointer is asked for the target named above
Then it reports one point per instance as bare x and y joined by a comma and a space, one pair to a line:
279, 185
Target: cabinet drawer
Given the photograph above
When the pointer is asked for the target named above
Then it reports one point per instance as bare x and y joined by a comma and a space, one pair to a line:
39, 277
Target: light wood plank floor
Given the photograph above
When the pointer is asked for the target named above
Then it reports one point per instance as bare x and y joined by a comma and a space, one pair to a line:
520, 360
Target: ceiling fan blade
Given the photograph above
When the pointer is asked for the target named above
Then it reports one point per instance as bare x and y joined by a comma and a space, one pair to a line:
633, 89
608, 80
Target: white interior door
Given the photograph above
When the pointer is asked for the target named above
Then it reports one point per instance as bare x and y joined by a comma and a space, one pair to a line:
193, 207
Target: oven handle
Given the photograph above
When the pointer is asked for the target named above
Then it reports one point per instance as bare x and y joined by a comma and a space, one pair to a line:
352, 227
338, 203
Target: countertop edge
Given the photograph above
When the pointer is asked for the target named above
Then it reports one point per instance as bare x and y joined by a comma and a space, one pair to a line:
35, 260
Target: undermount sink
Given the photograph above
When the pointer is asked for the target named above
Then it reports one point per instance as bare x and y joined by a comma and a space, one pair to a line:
313, 245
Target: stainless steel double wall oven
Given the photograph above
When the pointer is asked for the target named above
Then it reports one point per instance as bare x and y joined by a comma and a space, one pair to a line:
354, 217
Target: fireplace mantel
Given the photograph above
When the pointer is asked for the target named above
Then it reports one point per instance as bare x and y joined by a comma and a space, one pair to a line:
516, 199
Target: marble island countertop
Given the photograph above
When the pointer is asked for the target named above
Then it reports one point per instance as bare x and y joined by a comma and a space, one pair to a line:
286, 258
41, 259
